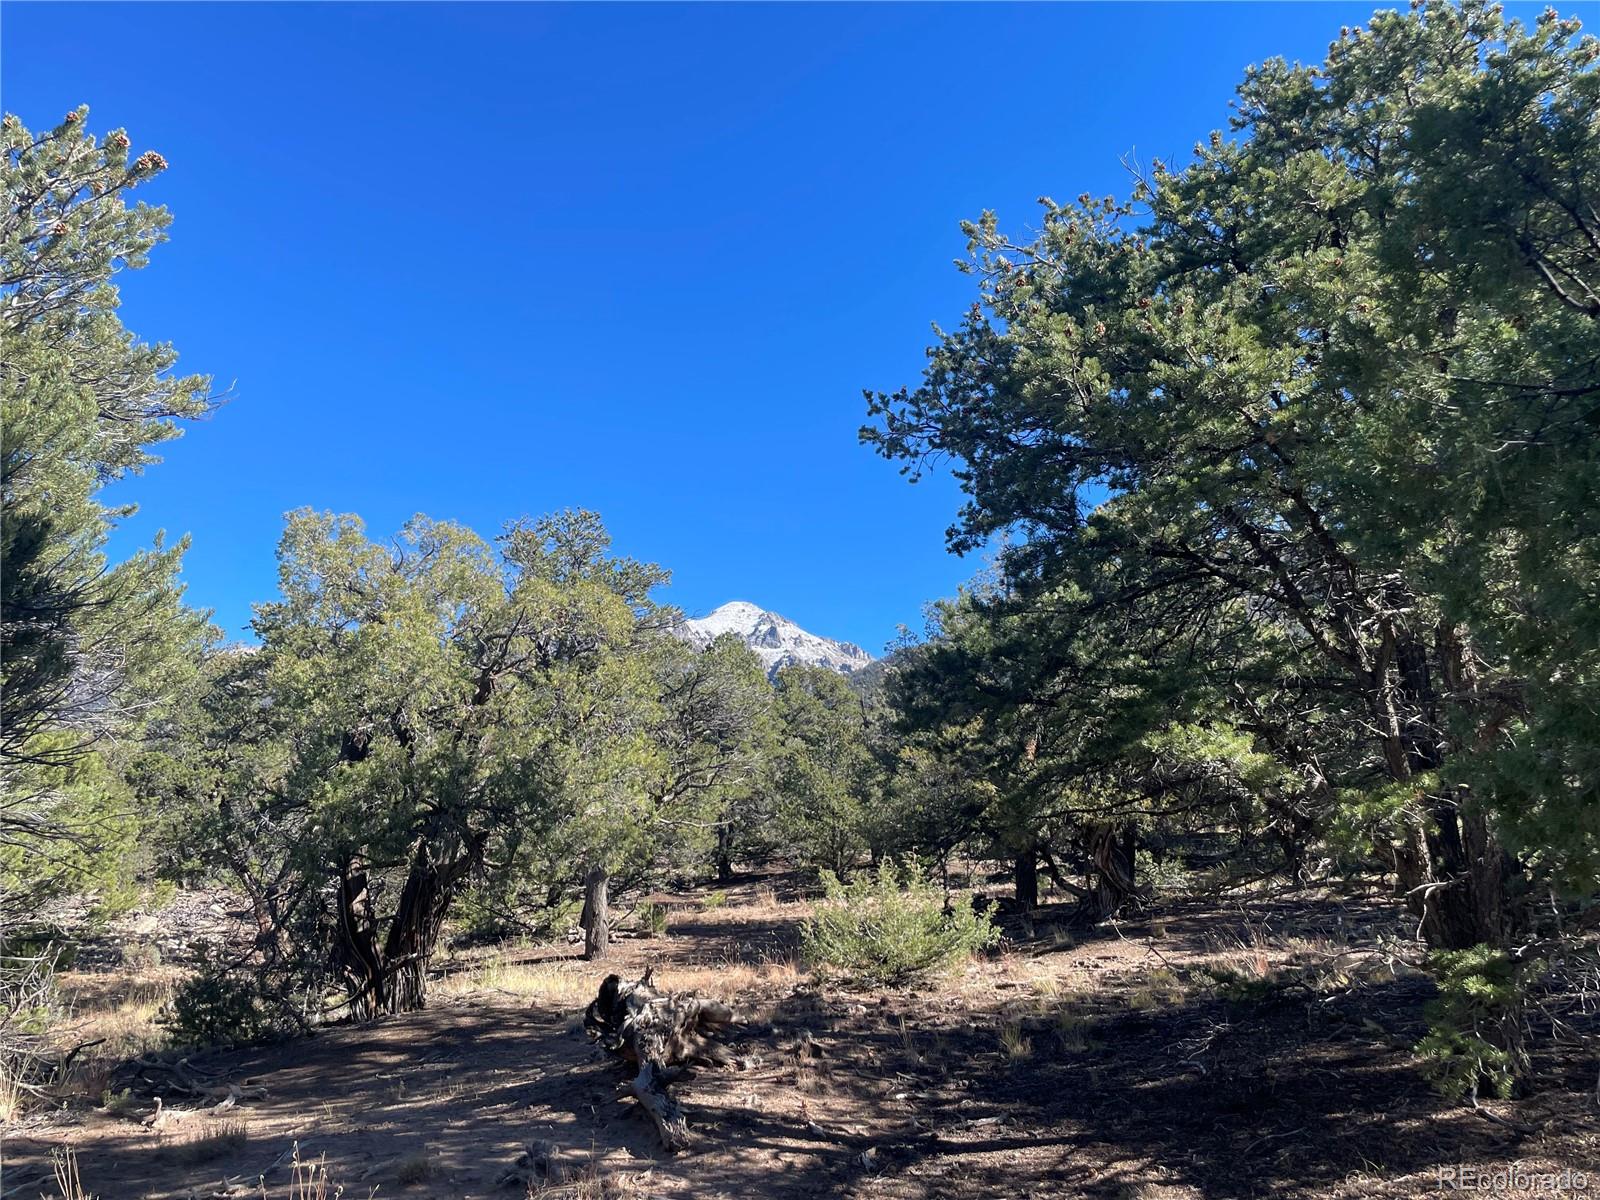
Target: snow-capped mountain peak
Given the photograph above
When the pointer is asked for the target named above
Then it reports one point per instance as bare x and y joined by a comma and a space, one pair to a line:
777, 641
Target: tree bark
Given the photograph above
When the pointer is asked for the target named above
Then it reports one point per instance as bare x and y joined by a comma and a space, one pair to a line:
1452, 875
1025, 878
596, 918
1294, 835
1111, 852
1453, 871
392, 977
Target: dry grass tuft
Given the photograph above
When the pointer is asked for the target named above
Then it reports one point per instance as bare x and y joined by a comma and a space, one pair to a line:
1156, 988
908, 1043
565, 983
1072, 1029
1015, 1045
593, 1183
224, 1137
13, 1096
571, 982
729, 977
121, 1013
310, 1180
66, 1172
419, 1168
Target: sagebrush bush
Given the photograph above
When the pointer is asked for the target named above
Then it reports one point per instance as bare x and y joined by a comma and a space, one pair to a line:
889, 925
1474, 1037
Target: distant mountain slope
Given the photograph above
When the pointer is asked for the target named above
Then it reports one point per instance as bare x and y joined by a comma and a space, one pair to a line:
777, 641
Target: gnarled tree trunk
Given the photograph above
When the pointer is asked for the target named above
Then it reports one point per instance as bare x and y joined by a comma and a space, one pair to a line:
1111, 884
1453, 871
1453, 876
386, 971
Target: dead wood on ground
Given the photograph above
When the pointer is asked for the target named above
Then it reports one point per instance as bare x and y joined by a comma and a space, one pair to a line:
662, 1032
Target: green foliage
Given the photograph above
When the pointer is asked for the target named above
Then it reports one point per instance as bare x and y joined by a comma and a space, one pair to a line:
1474, 1037
504, 908
218, 1006
828, 779
436, 717
652, 918
84, 813
1168, 875
890, 925
1294, 453
91, 652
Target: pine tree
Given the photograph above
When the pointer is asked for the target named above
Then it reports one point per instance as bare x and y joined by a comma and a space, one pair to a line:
88, 648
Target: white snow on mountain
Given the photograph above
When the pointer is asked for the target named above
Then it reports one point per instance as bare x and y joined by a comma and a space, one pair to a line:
777, 641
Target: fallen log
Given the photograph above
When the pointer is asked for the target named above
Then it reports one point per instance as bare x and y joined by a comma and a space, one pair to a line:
662, 1032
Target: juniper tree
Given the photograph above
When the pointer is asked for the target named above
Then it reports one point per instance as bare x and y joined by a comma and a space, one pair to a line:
1315, 413
827, 777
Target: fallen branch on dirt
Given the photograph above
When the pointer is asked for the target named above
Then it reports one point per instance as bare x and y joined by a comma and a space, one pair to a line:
660, 1031
214, 1090
1517, 1127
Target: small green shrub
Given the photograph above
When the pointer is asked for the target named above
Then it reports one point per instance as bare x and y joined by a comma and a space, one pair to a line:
715, 900
1247, 985
141, 956
118, 1104
652, 918
218, 1008
419, 1168
891, 925
1474, 1036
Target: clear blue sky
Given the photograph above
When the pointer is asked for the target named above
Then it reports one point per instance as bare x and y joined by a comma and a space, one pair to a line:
486, 260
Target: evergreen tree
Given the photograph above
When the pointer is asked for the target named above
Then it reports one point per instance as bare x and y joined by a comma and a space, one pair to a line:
1299, 439
88, 649
829, 781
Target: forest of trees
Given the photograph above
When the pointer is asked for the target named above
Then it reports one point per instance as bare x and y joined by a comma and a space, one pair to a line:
1287, 461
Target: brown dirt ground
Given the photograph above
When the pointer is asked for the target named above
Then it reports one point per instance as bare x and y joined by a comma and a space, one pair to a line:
1084, 1065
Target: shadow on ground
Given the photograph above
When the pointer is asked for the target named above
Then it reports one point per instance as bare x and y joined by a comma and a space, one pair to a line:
986, 1087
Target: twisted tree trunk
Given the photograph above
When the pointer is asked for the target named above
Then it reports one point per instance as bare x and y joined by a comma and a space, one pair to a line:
386, 970
1112, 885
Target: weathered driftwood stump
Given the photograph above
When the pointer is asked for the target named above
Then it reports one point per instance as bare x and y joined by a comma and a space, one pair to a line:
661, 1032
